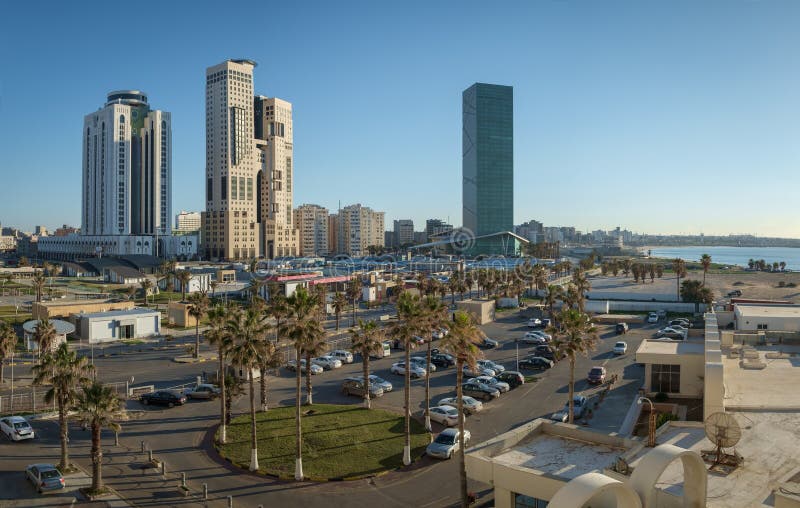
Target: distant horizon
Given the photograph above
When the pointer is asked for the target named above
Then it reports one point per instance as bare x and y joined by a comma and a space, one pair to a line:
655, 116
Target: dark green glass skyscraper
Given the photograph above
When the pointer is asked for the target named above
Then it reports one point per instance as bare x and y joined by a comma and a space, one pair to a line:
488, 165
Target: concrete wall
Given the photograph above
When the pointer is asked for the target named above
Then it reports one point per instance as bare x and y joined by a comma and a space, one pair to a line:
106, 329
66, 309
775, 323
692, 372
605, 306
481, 310
178, 314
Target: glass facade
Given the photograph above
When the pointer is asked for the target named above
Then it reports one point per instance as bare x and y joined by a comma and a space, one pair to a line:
488, 165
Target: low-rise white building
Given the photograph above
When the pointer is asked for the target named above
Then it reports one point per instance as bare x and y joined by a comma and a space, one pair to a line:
116, 325
62, 329
199, 282
782, 318
672, 367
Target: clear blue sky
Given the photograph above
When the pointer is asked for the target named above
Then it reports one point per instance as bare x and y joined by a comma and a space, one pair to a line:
665, 117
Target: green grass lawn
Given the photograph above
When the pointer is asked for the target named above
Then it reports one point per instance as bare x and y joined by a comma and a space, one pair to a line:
338, 441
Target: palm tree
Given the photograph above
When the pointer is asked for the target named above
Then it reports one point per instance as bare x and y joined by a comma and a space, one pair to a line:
98, 406
575, 335
679, 266
566, 266
582, 285
313, 345
539, 278
198, 305
248, 329
751, 263
213, 285
409, 324
462, 342
339, 303
434, 315
254, 289
554, 294
301, 326
146, 284
353, 291
218, 335
705, 260
626, 266
45, 336
184, 276
8, 342
38, 283
64, 371
367, 339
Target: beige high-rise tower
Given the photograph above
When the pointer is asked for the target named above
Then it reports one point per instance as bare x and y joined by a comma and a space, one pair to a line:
273, 133
230, 222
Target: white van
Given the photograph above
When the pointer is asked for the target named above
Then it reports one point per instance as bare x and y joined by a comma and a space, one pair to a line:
386, 349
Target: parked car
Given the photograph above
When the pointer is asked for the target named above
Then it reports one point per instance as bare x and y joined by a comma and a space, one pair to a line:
652, 317
480, 391
545, 352
662, 314
546, 322
734, 293
471, 405
685, 323
488, 364
422, 362
620, 348
342, 355
671, 333
536, 363
415, 371
621, 328
596, 376
355, 386
315, 369
446, 443
491, 381
16, 428
45, 477
327, 362
437, 334
479, 371
488, 343
167, 398
386, 386
579, 408
446, 415
534, 323
531, 338
512, 378
203, 391
443, 360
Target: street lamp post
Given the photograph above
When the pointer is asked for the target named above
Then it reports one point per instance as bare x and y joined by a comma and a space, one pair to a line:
651, 427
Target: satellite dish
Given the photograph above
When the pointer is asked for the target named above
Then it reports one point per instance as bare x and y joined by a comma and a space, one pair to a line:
723, 430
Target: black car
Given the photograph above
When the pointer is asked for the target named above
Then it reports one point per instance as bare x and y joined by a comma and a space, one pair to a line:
443, 360
545, 352
512, 377
488, 343
163, 398
621, 328
480, 391
535, 362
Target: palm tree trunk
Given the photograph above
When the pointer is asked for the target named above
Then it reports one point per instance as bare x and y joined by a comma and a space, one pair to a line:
309, 397
407, 446
222, 398
63, 427
97, 459
298, 460
428, 393
354, 312
196, 338
367, 403
462, 468
337, 322
571, 389
678, 287
253, 439
263, 381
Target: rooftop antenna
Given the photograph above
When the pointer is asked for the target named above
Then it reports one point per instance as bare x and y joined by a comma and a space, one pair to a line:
723, 430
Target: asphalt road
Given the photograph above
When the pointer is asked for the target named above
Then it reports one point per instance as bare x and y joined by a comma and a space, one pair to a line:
179, 435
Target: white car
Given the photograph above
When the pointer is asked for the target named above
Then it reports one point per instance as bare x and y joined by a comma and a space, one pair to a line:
534, 323
327, 362
399, 368
471, 405
437, 334
479, 371
446, 415
421, 362
446, 443
16, 428
202, 391
342, 355
652, 317
488, 364
532, 338
620, 348
502, 386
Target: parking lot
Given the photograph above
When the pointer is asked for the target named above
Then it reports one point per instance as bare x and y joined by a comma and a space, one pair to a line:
177, 434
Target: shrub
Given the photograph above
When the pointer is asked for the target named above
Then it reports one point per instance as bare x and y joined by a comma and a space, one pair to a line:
660, 397
663, 418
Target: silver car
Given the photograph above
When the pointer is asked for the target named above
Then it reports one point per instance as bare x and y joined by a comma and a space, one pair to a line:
471, 406
446, 443
16, 428
315, 369
490, 381
488, 364
203, 391
342, 355
45, 477
327, 362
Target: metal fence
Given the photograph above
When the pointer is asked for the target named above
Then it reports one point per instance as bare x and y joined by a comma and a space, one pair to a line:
32, 399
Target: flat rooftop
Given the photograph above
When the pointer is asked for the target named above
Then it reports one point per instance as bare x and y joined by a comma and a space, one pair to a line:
138, 311
771, 388
559, 456
671, 347
768, 445
768, 311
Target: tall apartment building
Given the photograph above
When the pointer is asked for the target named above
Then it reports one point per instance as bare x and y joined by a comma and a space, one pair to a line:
488, 164
333, 233
127, 168
230, 221
274, 140
312, 224
403, 232
531, 230
436, 227
359, 228
188, 221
